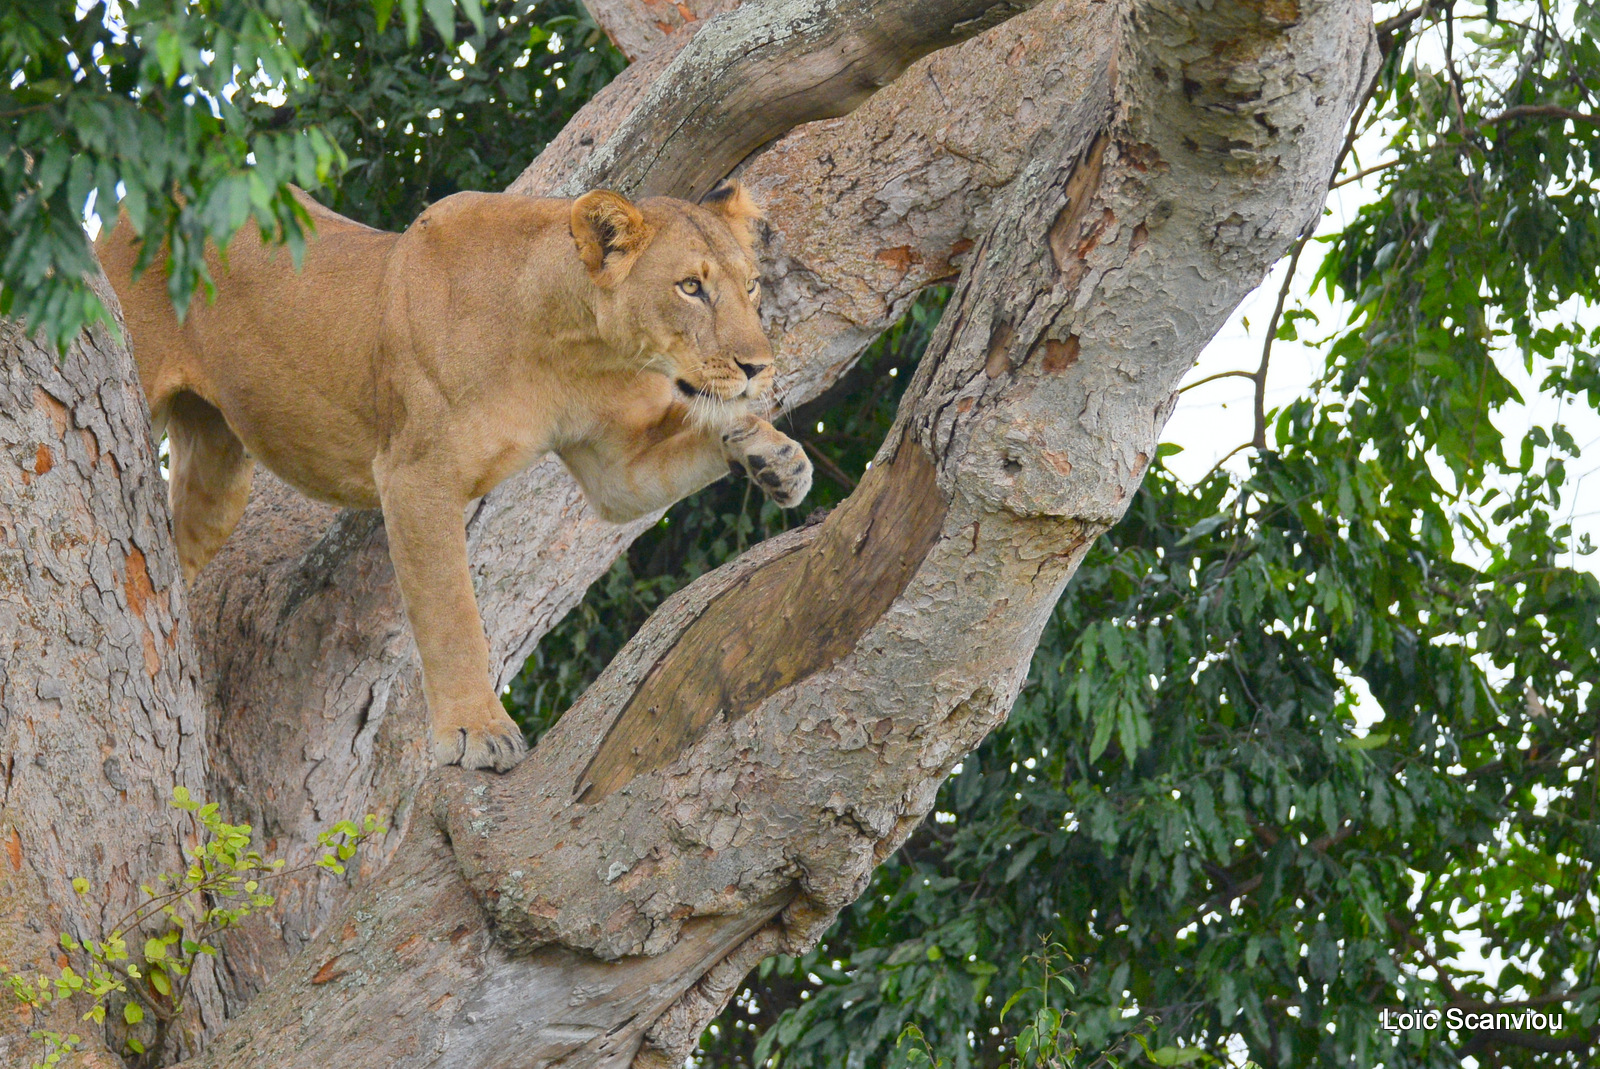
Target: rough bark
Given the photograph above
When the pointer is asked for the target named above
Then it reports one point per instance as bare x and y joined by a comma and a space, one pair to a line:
99, 713
738, 818
638, 27
308, 661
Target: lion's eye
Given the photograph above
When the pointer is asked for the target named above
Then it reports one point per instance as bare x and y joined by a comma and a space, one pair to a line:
691, 287
755, 284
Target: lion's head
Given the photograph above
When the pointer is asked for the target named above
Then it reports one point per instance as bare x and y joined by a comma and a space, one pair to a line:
681, 282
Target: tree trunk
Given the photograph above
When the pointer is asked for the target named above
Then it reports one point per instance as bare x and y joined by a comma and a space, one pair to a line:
99, 712
1108, 180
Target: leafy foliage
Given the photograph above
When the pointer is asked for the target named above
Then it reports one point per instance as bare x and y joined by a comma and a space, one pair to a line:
1047, 1039
193, 118
142, 98
421, 121
179, 918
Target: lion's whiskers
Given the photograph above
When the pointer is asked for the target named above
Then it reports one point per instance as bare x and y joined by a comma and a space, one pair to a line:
711, 412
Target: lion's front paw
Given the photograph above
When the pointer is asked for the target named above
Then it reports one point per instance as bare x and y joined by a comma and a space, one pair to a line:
492, 743
775, 462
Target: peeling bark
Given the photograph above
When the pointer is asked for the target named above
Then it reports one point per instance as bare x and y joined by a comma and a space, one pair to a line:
753, 74
638, 27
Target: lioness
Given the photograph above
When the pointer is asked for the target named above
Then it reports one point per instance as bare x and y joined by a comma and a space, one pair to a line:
415, 371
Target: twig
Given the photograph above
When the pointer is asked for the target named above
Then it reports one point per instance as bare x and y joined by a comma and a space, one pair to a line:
834, 471
27, 108
1259, 440
1401, 21
1541, 111
1521, 111
1228, 896
1491, 1037
1241, 447
1441, 972
1458, 91
1359, 175
1218, 375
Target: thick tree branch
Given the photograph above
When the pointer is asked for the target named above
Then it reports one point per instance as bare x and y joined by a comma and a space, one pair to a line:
753, 74
99, 715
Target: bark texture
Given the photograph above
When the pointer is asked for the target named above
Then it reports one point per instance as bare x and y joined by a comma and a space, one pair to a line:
637, 27
1108, 181
99, 712
739, 817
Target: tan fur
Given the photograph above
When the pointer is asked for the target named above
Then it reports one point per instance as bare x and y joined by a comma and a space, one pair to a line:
415, 371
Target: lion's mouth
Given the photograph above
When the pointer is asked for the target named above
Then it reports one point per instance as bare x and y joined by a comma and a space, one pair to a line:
691, 391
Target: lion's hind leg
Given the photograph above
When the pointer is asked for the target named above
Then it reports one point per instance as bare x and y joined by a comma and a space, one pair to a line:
210, 479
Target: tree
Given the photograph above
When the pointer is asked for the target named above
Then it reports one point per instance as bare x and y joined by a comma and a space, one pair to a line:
1111, 230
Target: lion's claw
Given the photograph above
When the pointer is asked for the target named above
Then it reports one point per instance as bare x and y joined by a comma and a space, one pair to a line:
498, 747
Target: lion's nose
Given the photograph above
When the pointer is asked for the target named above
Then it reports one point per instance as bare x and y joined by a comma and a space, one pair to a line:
751, 370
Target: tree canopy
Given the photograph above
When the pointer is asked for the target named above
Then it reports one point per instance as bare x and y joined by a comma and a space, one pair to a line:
1190, 802
196, 118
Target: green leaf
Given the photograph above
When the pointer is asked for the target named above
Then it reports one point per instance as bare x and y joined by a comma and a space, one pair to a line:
442, 13
133, 1013
169, 54
1203, 528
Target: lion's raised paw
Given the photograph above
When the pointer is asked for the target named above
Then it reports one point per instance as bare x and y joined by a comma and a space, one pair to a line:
774, 462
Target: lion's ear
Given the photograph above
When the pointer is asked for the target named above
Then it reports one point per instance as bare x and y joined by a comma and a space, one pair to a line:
738, 209
609, 233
